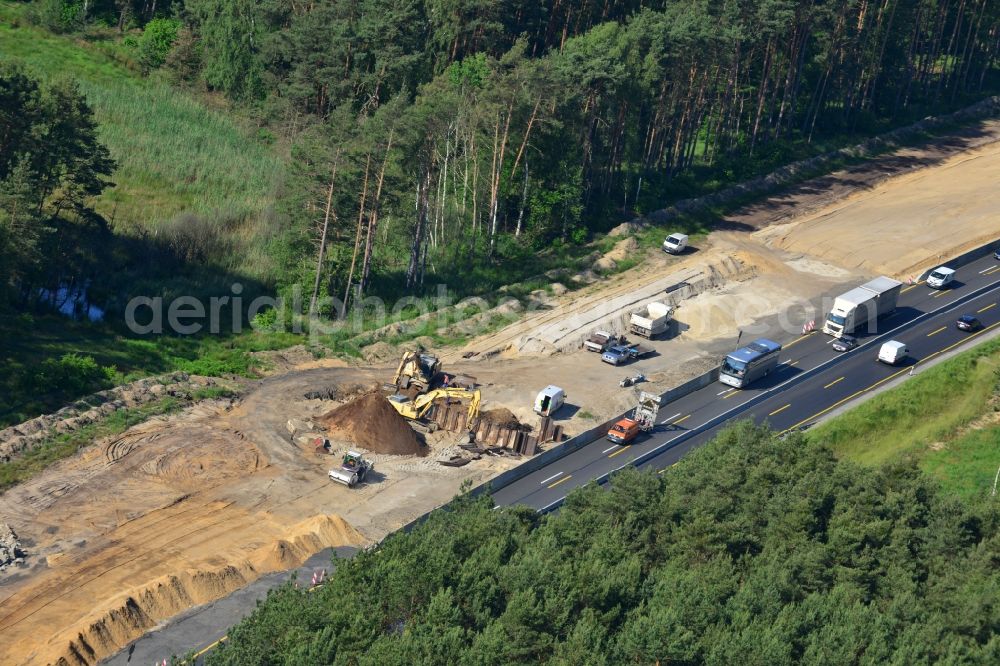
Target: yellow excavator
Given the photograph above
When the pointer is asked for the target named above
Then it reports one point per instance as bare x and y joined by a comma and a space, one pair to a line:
419, 406
418, 370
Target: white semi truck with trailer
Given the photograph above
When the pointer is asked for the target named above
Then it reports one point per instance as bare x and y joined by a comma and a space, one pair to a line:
861, 305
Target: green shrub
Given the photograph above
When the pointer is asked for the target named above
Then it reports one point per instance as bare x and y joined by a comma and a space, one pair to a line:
156, 42
70, 374
57, 15
222, 362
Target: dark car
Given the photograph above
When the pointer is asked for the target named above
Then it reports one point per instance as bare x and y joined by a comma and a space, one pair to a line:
845, 343
968, 323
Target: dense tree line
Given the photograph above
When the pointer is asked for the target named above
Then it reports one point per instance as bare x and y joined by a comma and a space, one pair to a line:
439, 133
51, 167
755, 549
456, 138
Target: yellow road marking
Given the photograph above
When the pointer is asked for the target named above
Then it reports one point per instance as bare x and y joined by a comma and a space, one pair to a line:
780, 409
884, 380
991, 305
940, 293
835, 381
683, 418
992, 271
798, 340
565, 478
727, 396
612, 455
915, 284
937, 331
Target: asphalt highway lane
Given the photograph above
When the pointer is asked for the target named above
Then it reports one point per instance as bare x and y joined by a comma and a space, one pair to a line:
811, 381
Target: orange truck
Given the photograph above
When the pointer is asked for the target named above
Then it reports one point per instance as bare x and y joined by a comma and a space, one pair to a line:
624, 431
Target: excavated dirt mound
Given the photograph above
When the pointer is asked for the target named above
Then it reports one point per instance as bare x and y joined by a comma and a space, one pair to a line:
370, 422
500, 416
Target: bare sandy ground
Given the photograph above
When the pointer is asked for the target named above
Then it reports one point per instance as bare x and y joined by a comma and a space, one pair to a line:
182, 510
907, 225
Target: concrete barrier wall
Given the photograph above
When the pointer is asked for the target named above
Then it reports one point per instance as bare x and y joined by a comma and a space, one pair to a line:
579, 441
963, 259
570, 445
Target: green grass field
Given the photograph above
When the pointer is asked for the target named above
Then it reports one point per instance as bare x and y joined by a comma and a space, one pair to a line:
30, 341
175, 153
941, 418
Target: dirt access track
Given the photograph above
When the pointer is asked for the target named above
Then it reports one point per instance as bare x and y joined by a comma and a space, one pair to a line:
184, 509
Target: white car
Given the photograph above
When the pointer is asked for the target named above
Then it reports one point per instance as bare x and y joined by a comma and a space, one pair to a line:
893, 352
940, 277
675, 243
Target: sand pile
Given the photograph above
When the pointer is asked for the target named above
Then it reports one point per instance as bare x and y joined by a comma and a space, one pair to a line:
500, 416
369, 421
305, 538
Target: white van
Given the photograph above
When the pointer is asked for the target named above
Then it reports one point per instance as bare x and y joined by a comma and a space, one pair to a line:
940, 277
675, 243
893, 352
549, 400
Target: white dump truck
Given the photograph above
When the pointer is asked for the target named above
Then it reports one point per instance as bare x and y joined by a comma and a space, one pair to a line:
651, 320
864, 304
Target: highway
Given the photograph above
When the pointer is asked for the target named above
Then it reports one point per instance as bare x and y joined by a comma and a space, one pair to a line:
811, 381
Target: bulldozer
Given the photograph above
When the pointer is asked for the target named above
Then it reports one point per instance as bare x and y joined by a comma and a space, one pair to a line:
417, 370
353, 469
418, 407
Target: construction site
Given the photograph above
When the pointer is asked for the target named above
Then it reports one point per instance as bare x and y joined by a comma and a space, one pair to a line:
183, 509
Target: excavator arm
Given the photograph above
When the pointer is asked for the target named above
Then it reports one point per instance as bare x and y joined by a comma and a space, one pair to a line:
418, 407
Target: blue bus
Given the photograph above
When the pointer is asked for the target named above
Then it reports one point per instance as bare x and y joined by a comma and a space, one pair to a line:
750, 363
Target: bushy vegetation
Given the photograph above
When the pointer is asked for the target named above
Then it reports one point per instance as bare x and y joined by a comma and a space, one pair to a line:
944, 419
754, 550
47, 361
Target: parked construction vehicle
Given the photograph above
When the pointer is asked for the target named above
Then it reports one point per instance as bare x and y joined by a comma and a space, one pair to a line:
651, 320
599, 341
417, 370
418, 407
353, 469
632, 380
643, 419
